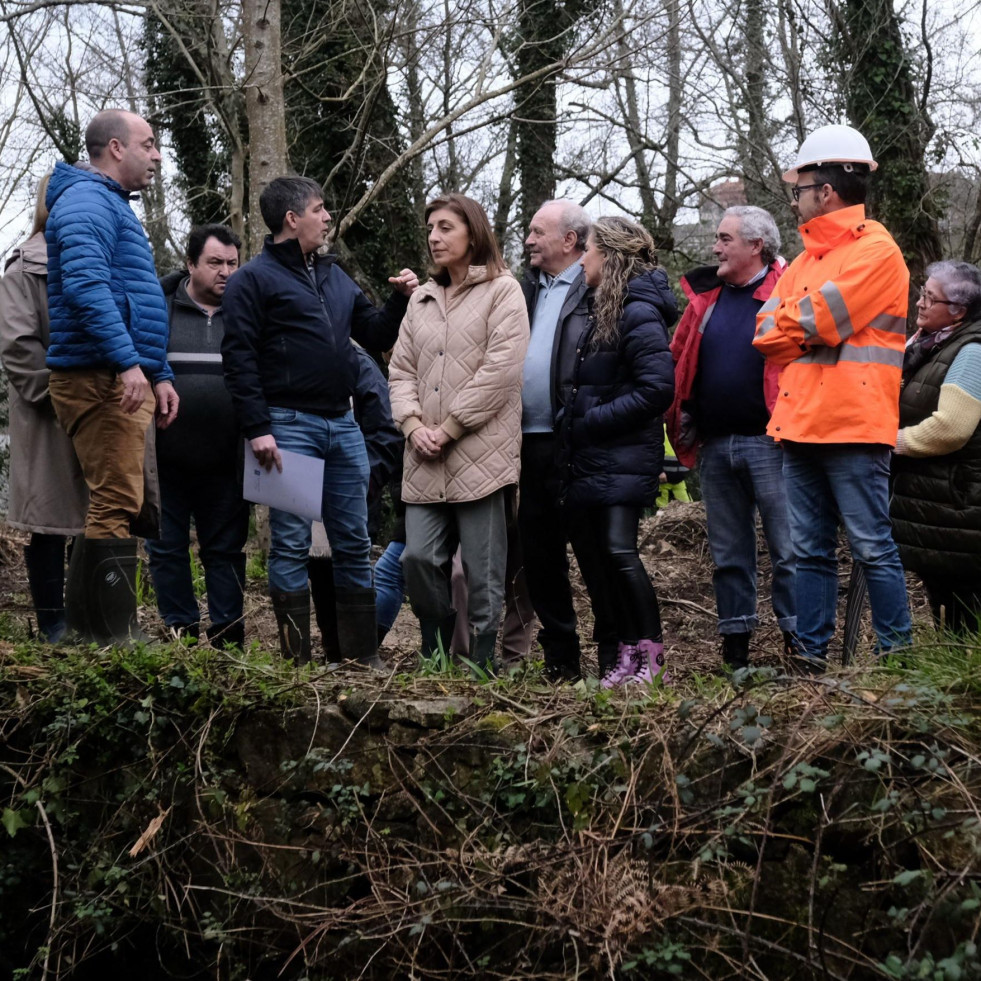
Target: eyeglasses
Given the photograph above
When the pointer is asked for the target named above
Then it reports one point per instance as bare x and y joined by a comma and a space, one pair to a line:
803, 187
928, 299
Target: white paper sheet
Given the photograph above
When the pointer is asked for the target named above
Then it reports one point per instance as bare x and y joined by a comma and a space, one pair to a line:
299, 489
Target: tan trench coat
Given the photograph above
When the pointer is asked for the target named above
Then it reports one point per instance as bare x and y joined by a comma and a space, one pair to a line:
457, 363
47, 490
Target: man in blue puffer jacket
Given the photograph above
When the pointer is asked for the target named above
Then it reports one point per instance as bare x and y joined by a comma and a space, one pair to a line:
108, 359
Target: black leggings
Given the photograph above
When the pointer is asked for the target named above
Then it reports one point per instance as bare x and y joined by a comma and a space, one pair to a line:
621, 592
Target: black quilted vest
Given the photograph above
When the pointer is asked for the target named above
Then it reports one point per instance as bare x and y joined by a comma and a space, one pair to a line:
936, 502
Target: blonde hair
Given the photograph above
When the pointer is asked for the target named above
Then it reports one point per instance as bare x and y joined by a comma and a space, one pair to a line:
40, 208
628, 250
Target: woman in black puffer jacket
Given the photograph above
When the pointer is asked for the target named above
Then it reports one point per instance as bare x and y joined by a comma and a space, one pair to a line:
613, 436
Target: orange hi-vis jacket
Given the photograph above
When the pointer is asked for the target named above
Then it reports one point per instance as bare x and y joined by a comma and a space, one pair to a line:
836, 321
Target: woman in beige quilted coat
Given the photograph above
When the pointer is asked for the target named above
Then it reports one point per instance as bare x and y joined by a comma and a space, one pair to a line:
455, 380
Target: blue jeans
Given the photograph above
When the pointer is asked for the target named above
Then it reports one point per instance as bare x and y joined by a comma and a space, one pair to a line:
221, 519
741, 475
339, 443
389, 585
826, 481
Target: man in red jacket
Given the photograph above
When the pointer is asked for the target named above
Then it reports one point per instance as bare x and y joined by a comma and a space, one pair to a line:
723, 397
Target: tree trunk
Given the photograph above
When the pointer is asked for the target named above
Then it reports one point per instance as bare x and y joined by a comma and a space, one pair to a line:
264, 106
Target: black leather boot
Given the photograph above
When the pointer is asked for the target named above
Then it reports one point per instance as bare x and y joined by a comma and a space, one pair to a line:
227, 634
357, 627
735, 650
45, 560
292, 611
607, 655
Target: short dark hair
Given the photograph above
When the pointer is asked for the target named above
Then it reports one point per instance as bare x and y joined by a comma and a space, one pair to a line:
484, 248
201, 233
110, 124
851, 185
284, 194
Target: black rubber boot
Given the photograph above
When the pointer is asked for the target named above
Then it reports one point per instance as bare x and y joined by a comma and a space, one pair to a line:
357, 627
45, 560
320, 572
436, 634
76, 599
292, 611
227, 634
110, 566
735, 650
482, 651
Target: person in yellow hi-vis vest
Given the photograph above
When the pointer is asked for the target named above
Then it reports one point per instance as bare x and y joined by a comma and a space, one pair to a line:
673, 486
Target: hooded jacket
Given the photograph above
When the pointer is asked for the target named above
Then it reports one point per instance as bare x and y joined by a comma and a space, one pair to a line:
836, 322
105, 305
612, 434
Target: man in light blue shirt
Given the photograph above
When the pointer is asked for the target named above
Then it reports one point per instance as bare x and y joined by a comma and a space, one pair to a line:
556, 294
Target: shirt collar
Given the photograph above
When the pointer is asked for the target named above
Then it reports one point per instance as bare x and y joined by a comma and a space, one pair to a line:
751, 281
566, 276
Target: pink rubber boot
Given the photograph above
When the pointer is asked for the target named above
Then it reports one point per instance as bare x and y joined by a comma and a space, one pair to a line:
650, 661
625, 668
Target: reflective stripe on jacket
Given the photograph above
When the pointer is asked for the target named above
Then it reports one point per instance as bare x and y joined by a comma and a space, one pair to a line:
837, 321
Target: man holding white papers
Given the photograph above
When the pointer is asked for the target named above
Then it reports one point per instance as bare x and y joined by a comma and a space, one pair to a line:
290, 314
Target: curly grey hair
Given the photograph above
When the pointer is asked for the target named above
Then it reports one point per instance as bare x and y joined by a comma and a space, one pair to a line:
757, 223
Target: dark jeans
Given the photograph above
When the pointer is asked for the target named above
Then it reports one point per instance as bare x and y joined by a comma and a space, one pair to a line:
544, 539
221, 517
620, 590
828, 482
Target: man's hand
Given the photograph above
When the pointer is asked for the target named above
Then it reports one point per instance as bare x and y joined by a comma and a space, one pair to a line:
406, 282
135, 388
167, 402
267, 452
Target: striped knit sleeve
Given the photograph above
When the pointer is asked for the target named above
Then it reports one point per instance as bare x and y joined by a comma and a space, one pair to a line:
958, 411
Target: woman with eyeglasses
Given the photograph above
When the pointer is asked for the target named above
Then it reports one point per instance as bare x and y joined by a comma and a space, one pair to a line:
936, 505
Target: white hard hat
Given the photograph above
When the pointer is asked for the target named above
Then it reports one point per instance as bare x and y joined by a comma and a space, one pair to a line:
832, 145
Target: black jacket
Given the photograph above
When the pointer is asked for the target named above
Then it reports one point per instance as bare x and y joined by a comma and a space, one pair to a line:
373, 411
204, 438
612, 435
288, 330
572, 322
